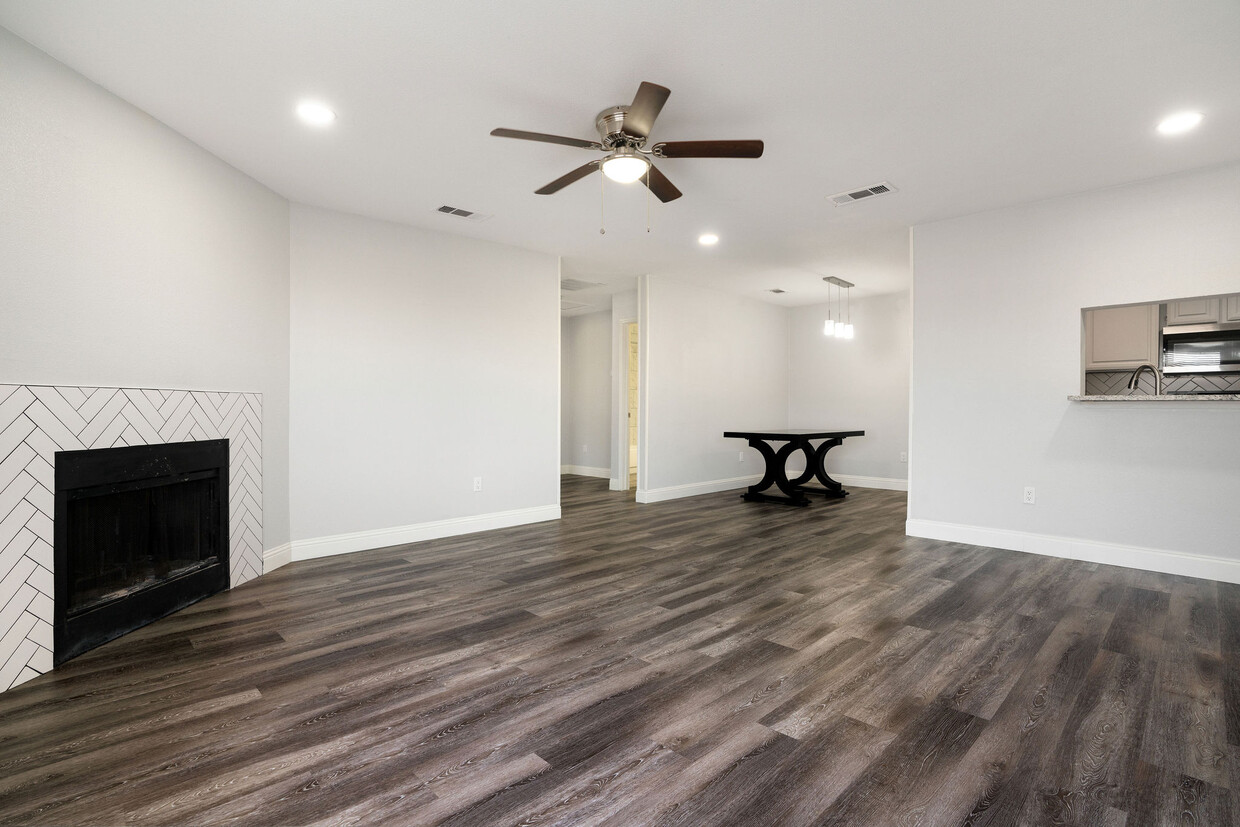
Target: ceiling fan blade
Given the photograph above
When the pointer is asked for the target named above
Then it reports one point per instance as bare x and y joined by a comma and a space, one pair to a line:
564, 180
708, 149
662, 188
646, 105
547, 139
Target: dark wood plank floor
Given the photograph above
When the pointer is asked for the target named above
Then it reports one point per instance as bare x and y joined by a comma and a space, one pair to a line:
697, 662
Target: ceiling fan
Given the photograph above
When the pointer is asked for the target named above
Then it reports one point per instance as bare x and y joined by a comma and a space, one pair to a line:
623, 133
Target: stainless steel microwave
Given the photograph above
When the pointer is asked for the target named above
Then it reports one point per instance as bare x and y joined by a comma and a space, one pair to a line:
1201, 348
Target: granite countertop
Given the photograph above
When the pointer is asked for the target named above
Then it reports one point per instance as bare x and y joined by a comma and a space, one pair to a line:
1166, 397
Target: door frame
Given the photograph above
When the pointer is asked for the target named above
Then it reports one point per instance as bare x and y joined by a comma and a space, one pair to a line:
620, 437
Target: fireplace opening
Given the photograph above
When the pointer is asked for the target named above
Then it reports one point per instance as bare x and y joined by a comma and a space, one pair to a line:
139, 532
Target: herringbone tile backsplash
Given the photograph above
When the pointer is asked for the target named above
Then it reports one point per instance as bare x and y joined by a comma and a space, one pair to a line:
36, 421
1115, 383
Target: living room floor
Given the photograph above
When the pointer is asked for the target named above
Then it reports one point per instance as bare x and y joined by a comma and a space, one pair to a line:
703, 661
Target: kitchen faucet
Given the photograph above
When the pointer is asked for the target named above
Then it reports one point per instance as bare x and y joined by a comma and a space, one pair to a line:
1136, 375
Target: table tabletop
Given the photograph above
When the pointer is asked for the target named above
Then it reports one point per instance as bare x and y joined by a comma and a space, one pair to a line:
792, 433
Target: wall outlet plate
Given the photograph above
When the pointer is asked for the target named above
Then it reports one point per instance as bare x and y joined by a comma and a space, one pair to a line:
477, 483
904, 456
1028, 495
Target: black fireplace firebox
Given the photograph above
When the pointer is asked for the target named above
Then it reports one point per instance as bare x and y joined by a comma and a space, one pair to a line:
140, 532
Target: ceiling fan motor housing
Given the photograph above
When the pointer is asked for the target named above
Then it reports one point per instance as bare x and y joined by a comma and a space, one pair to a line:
610, 125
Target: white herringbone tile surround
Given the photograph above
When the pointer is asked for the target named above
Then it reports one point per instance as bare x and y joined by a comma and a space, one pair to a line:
36, 421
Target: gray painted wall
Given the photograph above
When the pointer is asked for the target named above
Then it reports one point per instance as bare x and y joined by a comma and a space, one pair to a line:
997, 348
131, 257
585, 391
419, 361
713, 362
860, 383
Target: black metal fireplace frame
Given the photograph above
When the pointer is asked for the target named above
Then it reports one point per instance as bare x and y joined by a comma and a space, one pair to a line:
119, 469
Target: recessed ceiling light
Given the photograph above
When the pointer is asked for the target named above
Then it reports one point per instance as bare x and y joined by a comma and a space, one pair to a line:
707, 239
315, 113
1179, 123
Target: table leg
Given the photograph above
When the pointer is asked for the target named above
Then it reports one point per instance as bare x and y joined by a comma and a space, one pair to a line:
776, 474
834, 489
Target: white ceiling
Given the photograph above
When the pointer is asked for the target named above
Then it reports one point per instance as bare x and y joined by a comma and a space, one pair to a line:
963, 105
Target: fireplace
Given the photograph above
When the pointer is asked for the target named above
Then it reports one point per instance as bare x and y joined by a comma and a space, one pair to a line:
139, 532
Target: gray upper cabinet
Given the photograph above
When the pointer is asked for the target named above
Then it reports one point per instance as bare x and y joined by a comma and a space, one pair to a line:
1231, 312
1194, 311
1121, 338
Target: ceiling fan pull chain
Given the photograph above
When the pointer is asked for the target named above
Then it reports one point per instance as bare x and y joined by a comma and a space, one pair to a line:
601, 215
647, 197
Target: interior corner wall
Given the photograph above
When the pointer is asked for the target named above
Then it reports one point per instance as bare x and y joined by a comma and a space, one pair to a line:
585, 394
714, 362
860, 383
420, 361
997, 350
131, 257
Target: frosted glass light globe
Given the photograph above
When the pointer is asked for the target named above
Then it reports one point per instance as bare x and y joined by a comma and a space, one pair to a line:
625, 169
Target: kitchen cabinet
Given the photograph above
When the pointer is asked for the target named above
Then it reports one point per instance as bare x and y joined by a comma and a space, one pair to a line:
1232, 308
1121, 338
1193, 311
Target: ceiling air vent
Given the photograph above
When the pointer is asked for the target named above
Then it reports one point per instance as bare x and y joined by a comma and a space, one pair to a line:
567, 306
577, 284
842, 198
469, 215
777, 290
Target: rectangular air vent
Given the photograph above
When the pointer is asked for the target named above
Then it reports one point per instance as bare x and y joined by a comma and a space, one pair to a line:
839, 199
567, 306
577, 284
777, 290
468, 215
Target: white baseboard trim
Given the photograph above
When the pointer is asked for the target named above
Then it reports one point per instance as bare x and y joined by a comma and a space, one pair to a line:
273, 558
886, 483
675, 492
399, 535
586, 471
1091, 551
616, 485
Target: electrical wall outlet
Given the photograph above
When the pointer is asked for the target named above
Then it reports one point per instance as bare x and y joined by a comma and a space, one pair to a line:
477, 483
904, 456
740, 456
585, 449
1028, 495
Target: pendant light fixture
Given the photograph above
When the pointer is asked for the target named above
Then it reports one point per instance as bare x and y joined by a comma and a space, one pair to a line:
840, 329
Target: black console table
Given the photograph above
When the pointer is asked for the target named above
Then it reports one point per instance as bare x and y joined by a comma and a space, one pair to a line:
777, 475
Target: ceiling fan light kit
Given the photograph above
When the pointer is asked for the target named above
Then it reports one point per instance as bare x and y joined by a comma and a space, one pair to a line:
623, 134
625, 165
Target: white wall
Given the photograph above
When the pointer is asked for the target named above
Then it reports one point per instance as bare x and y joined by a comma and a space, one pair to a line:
996, 349
419, 361
585, 394
860, 383
712, 362
131, 257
